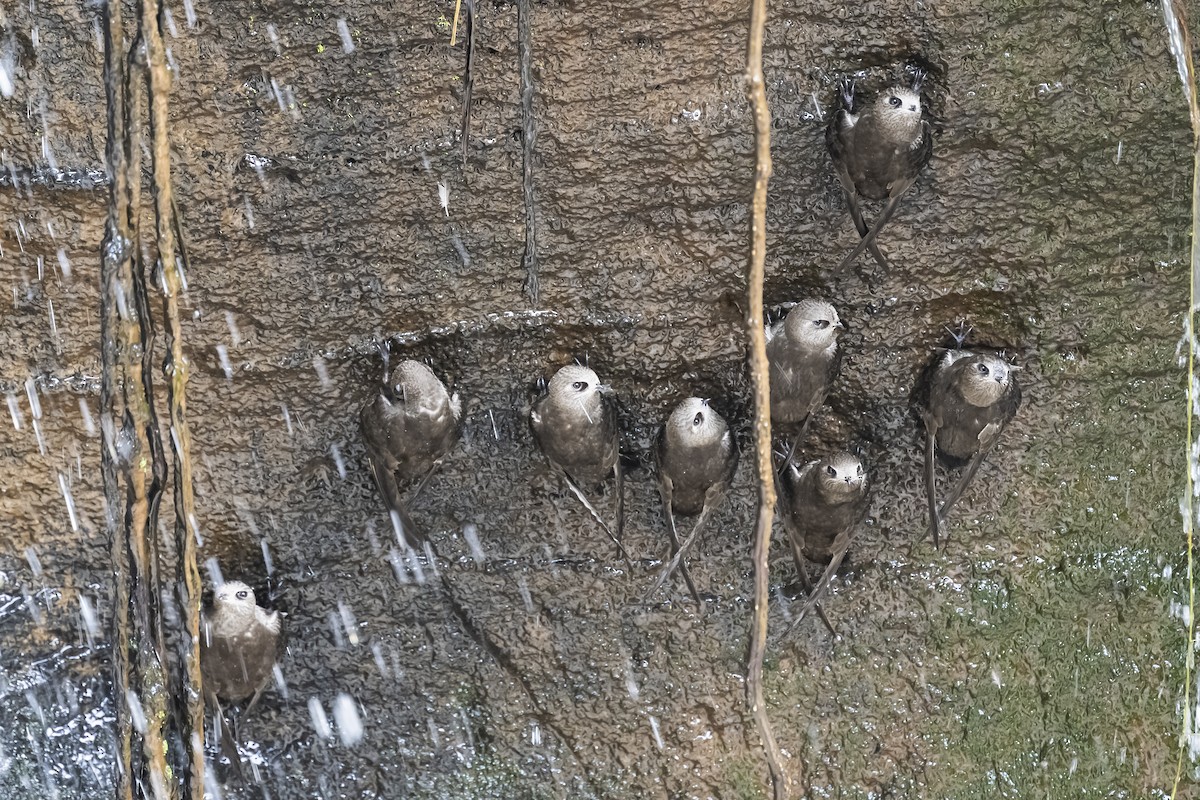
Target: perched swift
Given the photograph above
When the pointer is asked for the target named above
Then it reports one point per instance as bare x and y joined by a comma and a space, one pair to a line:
575, 425
408, 428
696, 458
825, 501
973, 395
878, 147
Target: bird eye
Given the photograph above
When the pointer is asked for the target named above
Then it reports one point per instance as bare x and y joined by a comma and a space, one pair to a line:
831, 472
821, 324
698, 419
894, 102
982, 368
241, 595
579, 386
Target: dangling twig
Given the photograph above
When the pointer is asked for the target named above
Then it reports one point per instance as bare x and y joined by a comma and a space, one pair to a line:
468, 79
529, 259
187, 583
1180, 42
756, 334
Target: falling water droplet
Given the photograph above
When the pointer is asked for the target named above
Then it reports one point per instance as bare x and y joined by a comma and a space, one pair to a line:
35, 406
657, 735
630, 681
398, 528
397, 562
89, 425
414, 566
194, 524
6, 76
349, 623
280, 683
471, 534
281, 101
235, 335
212, 786
87, 612
339, 462
526, 597
53, 321
466, 723
223, 357
319, 720
380, 664
345, 714
36, 706
35, 564
66, 493
267, 562
287, 418
433, 732
430, 558
344, 32
336, 630
137, 716
31, 607
461, 249
322, 371
14, 409
213, 567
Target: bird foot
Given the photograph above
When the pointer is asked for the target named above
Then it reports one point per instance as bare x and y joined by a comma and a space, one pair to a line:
959, 333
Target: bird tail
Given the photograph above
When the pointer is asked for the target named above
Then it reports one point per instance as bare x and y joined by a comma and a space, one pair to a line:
406, 530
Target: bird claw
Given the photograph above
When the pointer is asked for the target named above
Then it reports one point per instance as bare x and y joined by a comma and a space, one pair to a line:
919, 74
846, 93
960, 333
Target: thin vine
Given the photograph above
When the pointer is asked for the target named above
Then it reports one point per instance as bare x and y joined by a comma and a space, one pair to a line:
756, 334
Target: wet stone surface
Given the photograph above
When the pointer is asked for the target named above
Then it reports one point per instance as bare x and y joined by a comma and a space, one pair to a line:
1035, 656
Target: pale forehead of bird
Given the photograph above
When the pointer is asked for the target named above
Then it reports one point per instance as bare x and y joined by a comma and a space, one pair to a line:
415, 373
845, 465
997, 368
565, 379
228, 593
910, 101
806, 318
685, 415
812, 308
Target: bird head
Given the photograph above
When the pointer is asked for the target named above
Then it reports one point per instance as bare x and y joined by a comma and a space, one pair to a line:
985, 379
694, 422
841, 475
576, 385
813, 324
